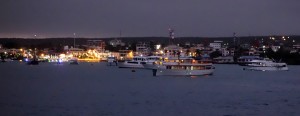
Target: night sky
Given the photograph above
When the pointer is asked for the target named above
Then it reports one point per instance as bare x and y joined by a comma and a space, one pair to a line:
137, 18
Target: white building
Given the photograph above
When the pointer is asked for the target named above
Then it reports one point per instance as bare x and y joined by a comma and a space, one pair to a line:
225, 52
143, 48
116, 42
216, 45
296, 46
98, 45
275, 48
199, 46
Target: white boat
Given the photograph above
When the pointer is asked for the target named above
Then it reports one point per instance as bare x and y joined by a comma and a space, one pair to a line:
266, 65
185, 67
112, 61
245, 60
136, 62
151, 61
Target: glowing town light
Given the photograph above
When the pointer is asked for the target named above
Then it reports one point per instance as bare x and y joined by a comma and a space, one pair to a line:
158, 47
59, 60
161, 51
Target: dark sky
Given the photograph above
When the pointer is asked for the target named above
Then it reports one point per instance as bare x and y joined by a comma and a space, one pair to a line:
106, 18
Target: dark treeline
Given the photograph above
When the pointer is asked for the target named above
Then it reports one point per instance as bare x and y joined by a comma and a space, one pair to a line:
58, 42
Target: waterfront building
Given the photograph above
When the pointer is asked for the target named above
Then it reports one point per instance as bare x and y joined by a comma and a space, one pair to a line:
225, 51
296, 46
98, 45
216, 45
224, 60
173, 51
245, 46
143, 48
76, 51
275, 48
199, 47
116, 42
125, 54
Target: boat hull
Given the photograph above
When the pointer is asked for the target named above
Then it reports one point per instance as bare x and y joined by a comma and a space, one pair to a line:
184, 72
129, 65
267, 68
150, 66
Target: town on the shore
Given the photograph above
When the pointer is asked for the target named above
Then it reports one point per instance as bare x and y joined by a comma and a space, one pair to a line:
227, 50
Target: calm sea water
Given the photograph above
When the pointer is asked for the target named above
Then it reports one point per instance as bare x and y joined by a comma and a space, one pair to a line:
97, 89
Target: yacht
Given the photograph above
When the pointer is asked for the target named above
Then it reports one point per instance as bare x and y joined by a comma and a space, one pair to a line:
184, 67
266, 65
136, 62
245, 60
151, 62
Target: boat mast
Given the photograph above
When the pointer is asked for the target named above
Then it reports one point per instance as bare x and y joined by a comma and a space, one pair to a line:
171, 36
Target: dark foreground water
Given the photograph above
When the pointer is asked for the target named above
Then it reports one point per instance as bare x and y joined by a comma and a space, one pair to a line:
94, 89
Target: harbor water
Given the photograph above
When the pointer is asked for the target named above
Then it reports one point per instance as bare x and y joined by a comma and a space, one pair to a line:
95, 89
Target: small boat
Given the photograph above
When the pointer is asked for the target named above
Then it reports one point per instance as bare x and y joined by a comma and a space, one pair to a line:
112, 61
73, 61
136, 62
266, 65
6, 60
184, 67
33, 62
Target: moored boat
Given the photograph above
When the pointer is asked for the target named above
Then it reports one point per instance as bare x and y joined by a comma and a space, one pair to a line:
74, 61
185, 67
266, 65
150, 62
245, 60
136, 62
